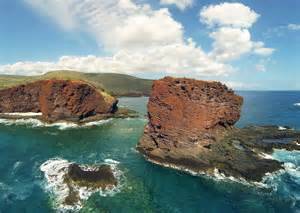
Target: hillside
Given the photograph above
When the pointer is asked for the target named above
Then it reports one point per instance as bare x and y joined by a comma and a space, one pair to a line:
115, 84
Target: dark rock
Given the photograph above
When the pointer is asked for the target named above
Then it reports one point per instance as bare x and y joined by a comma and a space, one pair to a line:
98, 177
93, 178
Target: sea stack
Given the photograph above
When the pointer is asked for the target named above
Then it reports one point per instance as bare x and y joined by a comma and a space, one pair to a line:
57, 100
191, 127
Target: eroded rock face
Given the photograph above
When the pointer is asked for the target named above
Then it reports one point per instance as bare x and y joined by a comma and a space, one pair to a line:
24, 98
191, 127
57, 100
183, 111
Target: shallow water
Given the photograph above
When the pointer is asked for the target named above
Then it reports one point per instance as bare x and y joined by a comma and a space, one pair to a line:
145, 187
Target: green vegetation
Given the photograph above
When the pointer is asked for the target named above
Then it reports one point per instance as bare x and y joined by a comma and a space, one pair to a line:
115, 84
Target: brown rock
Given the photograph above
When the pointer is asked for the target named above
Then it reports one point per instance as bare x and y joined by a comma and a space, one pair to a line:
57, 100
24, 98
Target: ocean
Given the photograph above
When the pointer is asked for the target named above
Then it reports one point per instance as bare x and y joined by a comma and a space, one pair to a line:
143, 187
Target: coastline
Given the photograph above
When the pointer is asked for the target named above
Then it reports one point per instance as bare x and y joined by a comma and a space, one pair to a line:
37, 120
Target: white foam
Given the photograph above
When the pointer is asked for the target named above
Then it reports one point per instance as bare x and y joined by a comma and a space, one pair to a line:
281, 128
216, 175
54, 171
97, 123
296, 104
265, 156
36, 123
280, 181
16, 166
23, 114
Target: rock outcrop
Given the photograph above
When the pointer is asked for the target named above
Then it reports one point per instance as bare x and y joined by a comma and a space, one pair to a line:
73, 183
182, 111
191, 128
57, 100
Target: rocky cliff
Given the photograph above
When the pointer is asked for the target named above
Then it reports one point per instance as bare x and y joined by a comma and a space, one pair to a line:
180, 110
57, 100
191, 128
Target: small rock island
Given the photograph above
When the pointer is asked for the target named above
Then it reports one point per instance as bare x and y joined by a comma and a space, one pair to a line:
73, 183
191, 128
60, 100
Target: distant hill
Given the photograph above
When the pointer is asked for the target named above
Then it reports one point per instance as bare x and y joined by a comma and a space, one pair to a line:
115, 84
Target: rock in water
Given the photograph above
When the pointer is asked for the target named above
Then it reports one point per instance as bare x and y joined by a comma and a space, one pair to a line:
182, 111
57, 100
191, 128
73, 183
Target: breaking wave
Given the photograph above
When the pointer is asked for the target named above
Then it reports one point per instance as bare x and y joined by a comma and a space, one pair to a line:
286, 182
36, 123
54, 171
23, 114
296, 104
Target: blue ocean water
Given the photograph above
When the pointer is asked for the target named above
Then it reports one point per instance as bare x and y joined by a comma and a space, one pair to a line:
146, 187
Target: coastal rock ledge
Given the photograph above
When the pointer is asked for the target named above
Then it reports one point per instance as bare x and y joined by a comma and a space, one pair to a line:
191, 127
57, 100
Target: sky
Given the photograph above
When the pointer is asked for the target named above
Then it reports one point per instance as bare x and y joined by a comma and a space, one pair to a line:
249, 44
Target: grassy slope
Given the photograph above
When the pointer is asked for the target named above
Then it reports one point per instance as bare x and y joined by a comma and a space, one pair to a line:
115, 84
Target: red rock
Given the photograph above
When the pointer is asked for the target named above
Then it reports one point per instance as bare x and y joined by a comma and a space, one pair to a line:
191, 128
183, 110
57, 100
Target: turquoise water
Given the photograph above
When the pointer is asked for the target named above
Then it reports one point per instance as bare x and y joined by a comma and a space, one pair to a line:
145, 187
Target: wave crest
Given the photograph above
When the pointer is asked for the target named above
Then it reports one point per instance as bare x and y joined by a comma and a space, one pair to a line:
36, 123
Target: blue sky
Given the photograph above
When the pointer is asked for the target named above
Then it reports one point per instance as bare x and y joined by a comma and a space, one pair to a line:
249, 44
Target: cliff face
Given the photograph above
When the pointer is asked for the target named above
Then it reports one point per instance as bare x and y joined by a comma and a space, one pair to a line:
180, 109
57, 100
191, 127
24, 98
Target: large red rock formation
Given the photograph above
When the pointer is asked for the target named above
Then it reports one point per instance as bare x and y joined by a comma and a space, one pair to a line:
57, 100
184, 110
191, 128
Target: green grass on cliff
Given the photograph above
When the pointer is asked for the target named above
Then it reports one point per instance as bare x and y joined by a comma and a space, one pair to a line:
115, 84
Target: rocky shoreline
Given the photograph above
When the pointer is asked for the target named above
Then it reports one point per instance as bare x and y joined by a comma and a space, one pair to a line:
121, 113
191, 128
53, 101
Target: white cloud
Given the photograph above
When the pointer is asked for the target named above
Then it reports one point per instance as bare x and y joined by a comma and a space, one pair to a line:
115, 24
177, 59
260, 49
236, 85
141, 39
142, 30
181, 4
138, 37
260, 68
230, 23
228, 14
293, 26
230, 43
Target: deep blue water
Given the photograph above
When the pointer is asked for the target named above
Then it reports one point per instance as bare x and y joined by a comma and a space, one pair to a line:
147, 187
